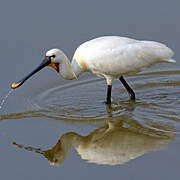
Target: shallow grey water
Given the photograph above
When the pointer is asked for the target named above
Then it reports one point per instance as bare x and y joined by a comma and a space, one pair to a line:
144, 125
43, 124
128, 140
82, 100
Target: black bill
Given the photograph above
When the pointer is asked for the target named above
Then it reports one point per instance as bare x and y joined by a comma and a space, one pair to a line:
44, 63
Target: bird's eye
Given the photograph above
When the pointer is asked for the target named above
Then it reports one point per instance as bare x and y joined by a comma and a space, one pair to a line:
53, 56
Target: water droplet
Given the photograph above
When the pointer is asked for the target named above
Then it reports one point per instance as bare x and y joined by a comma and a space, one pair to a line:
5, 98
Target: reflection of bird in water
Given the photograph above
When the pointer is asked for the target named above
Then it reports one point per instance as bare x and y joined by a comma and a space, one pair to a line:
111, 57
111, 144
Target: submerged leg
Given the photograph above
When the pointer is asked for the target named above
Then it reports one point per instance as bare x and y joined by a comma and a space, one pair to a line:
128, 88
108, 97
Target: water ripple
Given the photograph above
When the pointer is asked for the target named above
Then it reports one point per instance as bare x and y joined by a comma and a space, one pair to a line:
158, 101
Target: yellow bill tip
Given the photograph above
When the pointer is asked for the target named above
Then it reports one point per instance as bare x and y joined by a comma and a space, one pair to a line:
15, 85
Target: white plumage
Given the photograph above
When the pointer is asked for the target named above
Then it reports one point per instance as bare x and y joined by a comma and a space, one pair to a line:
110, 57
115, 56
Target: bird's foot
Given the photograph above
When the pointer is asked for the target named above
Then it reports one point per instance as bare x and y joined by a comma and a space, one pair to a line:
132, 96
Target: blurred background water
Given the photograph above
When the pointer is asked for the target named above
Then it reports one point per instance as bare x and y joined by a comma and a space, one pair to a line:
141, 139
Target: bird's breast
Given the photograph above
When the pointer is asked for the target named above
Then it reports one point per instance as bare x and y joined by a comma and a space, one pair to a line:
83, 64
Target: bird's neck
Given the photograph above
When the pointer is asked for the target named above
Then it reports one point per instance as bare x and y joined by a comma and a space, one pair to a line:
69, 70
63, 146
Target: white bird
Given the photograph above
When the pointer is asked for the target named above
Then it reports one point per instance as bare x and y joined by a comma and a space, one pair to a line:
110, 57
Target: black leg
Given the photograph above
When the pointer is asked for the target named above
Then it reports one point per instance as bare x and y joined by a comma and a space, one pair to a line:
128, 88
108, 97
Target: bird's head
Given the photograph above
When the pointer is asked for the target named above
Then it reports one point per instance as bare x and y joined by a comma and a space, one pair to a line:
52, 58
55, 57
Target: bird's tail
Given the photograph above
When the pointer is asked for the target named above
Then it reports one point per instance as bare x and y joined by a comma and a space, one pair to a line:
168, 60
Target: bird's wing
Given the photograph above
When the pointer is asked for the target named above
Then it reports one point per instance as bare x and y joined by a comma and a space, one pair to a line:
106, 43
129, 58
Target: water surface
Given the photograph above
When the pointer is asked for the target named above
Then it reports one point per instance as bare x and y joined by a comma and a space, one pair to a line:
68, 124
139, 127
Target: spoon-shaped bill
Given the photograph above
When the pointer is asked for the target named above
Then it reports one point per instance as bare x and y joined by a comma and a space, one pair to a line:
44, 63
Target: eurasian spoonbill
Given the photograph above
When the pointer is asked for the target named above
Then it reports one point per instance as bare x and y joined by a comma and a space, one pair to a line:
111, 57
